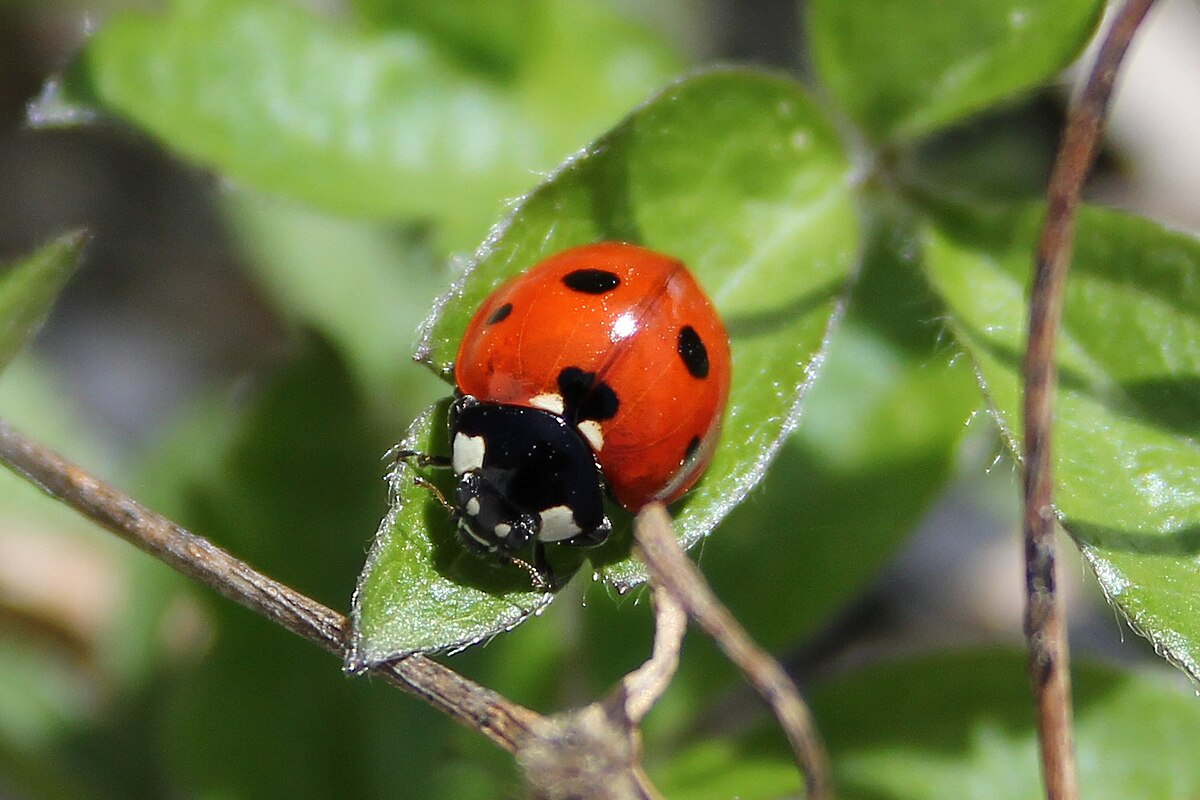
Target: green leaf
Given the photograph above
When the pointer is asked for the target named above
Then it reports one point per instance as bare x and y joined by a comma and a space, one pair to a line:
490, 34
738, 174
359, 122
962, 726
902, 70
1126, 446
28, 289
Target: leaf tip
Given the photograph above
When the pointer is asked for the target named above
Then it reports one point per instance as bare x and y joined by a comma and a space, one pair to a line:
76, 239
54, 107
354, 662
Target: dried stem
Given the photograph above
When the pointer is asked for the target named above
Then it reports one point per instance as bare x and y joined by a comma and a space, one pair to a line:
474, 706
672, 570
1044, 618
640, 689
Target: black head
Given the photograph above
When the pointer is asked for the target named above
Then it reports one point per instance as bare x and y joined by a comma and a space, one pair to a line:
524, 475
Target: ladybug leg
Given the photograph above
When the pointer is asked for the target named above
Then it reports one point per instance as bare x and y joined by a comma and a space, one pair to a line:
540, 573
549, 581
432, 488
420, 460
398, 454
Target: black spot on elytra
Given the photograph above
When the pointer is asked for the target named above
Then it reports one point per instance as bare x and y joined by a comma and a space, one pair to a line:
693, 352
692, 447
592, 281
500, 314
584, 397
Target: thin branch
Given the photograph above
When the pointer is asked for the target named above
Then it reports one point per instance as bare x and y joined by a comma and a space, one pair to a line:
1044, 618
671, 569
474, 706
641, 689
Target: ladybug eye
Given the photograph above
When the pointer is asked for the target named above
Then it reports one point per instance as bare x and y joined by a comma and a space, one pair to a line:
592, 281
693, 352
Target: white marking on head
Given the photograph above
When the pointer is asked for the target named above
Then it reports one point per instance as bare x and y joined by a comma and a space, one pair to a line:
467, 453
468, 531
591, 431
558, 523
548, 402
472, 507
503, 529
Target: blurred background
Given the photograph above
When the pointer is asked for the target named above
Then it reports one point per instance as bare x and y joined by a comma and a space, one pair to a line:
182, 357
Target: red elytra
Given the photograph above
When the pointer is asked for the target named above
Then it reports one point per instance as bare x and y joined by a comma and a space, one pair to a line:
609, 316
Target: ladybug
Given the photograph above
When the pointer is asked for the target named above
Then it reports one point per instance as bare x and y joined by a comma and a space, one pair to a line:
603, 367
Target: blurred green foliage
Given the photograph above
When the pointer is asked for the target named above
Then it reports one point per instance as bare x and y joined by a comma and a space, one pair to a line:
856, 244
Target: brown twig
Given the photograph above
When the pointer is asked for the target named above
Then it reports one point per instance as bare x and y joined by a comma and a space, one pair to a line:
595, 751
1044, 619
640, 689
671, 569
474, 706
